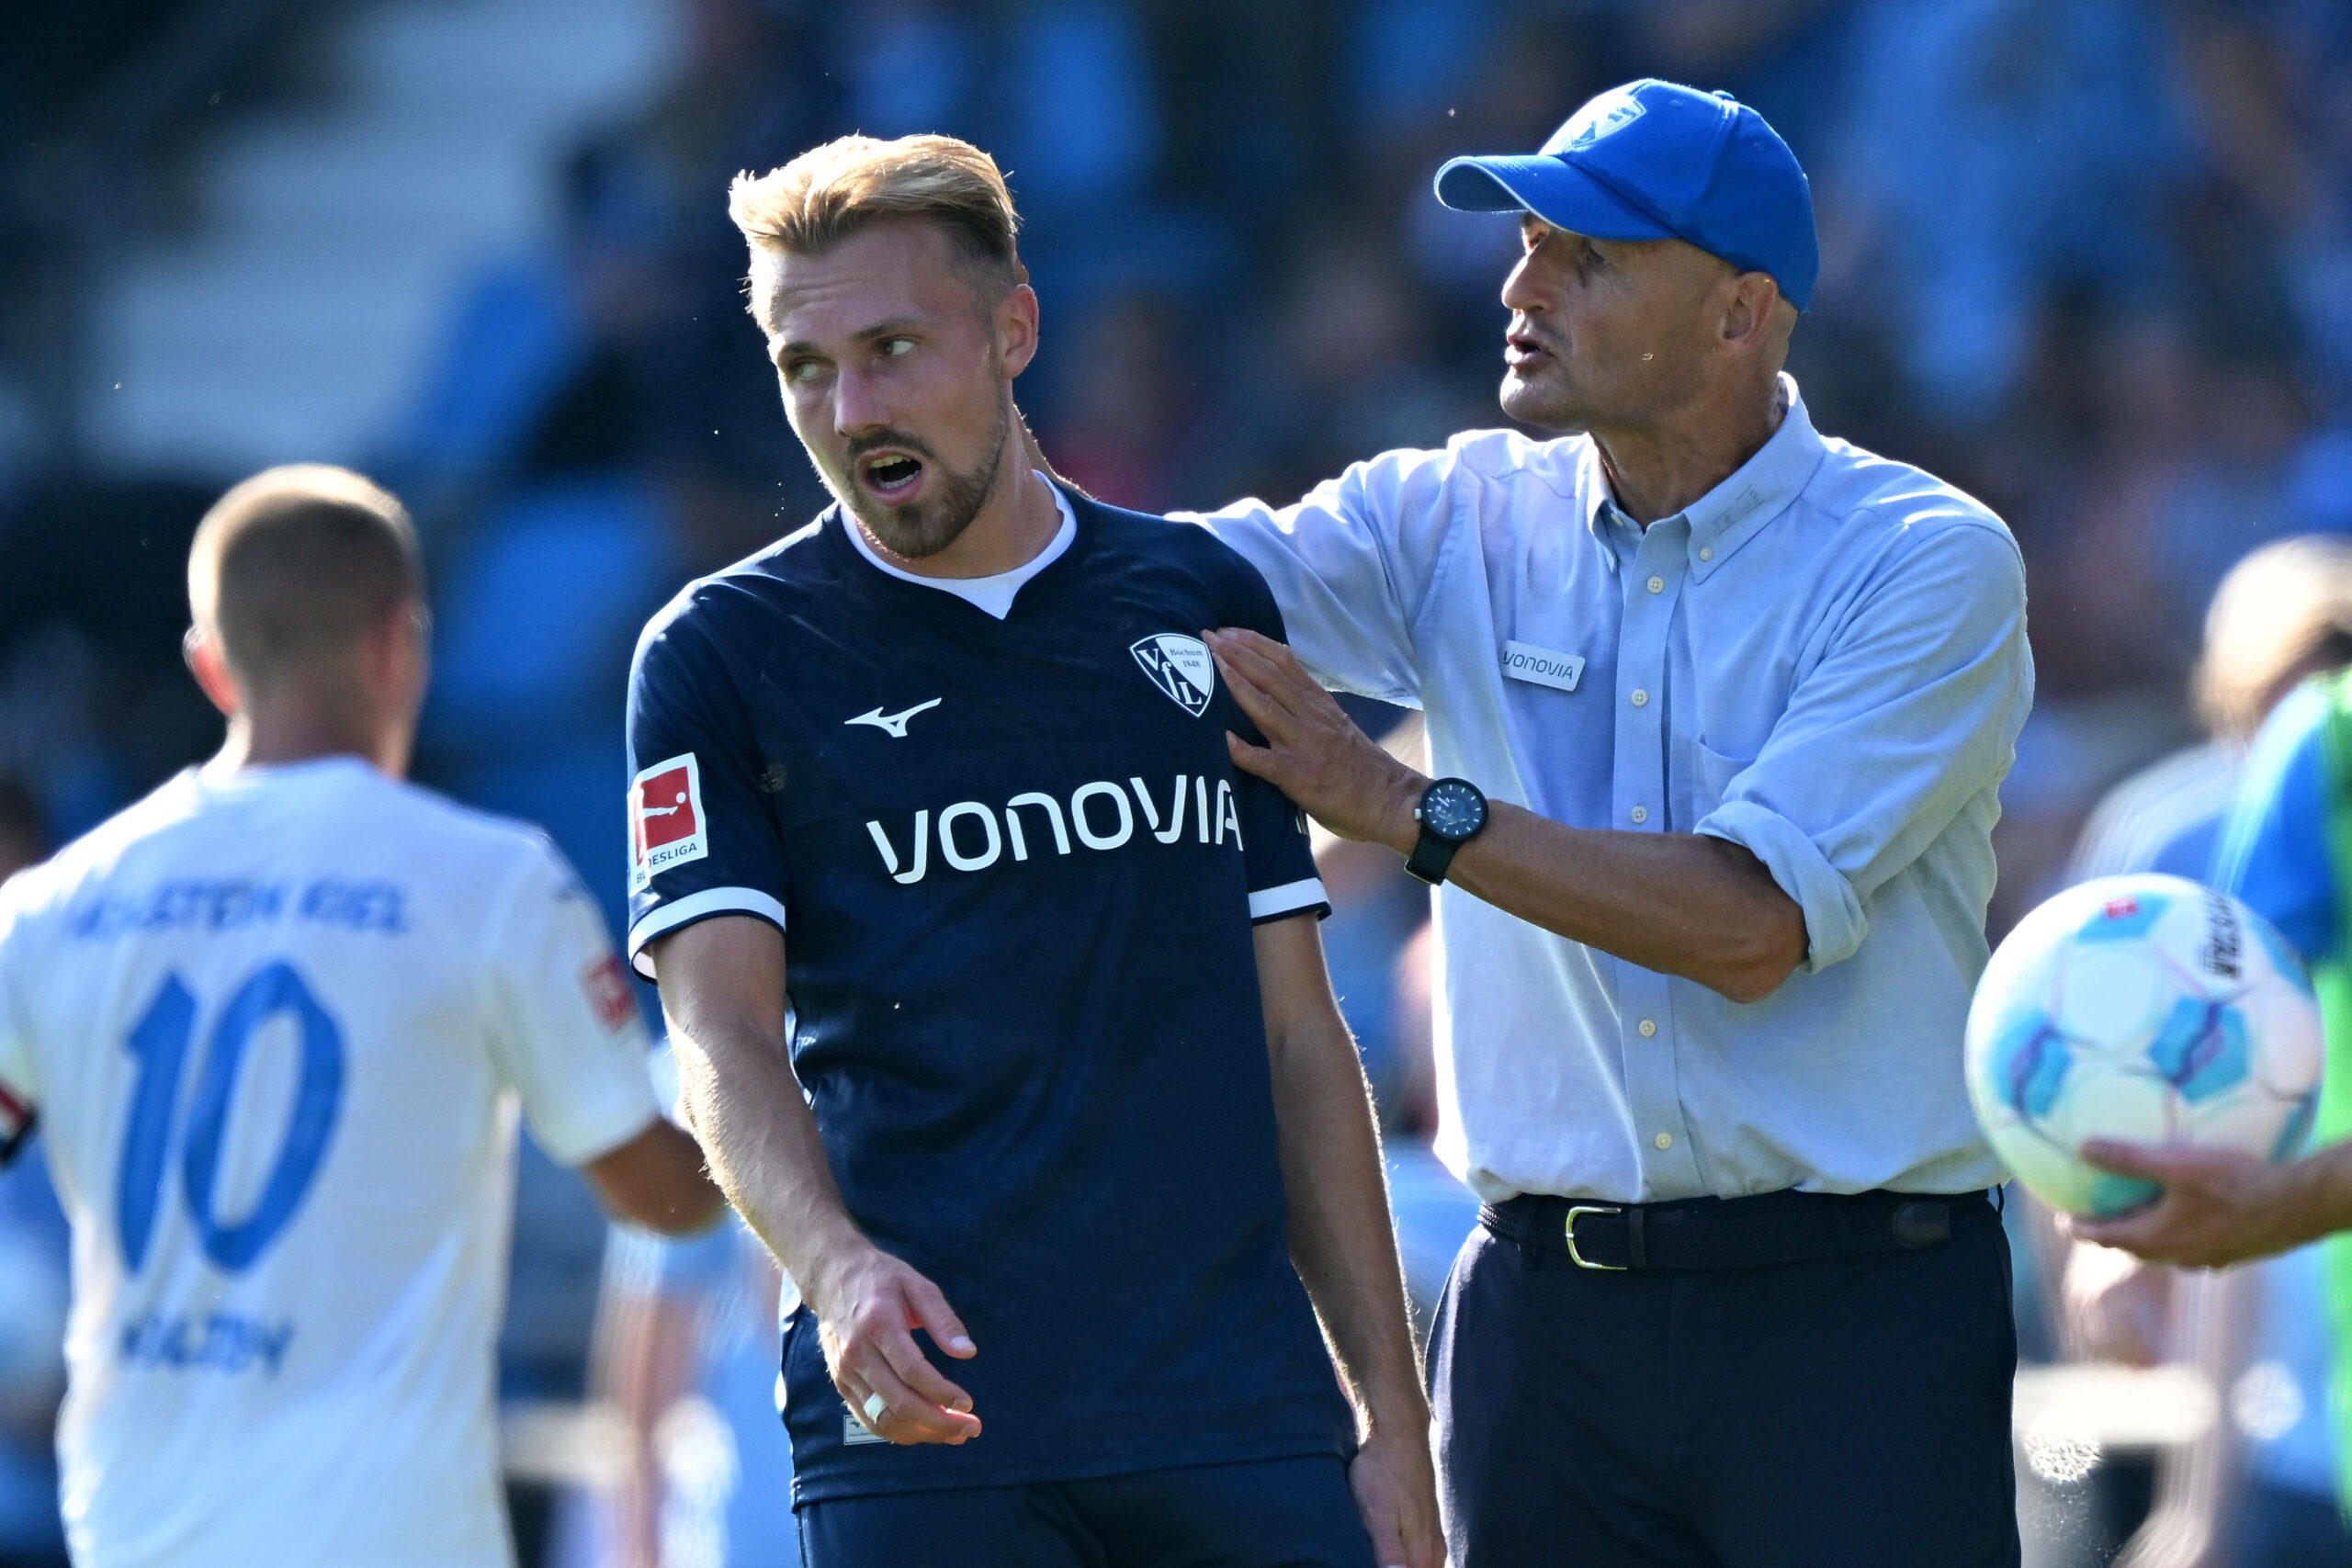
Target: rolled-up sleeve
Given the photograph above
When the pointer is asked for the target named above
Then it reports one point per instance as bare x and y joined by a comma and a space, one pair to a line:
1913, 710
1351, 564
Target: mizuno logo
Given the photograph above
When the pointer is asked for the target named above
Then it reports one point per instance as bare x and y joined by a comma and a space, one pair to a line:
893, 724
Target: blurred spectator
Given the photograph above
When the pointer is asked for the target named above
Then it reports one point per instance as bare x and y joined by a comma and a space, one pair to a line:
94, 704
1132, 404
1997, 152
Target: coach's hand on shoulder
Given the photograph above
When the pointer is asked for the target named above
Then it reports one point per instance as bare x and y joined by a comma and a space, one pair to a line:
1313, 752
2218, 1206
1395, 1488
868, 1305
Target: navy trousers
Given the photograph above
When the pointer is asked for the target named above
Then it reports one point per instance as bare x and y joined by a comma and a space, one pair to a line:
1289, 1513
1852, 1413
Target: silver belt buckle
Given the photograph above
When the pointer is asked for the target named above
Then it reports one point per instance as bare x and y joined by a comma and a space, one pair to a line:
1578, 1258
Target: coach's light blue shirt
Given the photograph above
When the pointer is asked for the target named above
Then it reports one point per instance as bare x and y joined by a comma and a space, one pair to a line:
1822, 660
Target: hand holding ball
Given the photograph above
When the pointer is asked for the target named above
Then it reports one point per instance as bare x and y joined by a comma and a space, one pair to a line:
2146, 1010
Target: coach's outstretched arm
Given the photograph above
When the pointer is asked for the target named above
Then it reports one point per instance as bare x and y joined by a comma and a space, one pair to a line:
722, 988
1679, 903
1894, 728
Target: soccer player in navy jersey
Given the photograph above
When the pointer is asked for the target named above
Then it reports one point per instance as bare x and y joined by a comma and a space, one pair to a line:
1054, 1076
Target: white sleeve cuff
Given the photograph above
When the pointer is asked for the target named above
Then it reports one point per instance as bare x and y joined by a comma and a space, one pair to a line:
1288, 899
664, 918
1834, 922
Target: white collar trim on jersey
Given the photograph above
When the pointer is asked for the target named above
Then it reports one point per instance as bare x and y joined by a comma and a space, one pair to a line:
993, 594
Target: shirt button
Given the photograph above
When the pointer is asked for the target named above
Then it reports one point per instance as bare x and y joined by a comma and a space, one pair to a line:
1707, 555
1664, 1140
1640, 814
1641, 698
1648, 1027
1657, 585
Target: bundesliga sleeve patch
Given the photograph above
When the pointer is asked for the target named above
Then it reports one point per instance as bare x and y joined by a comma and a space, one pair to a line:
665, 823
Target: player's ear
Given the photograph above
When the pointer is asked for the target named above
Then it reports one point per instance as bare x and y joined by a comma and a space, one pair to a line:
210, 668
1016, 329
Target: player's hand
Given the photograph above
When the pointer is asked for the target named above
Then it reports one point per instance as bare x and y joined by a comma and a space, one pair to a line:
1395, 1488
1314, 751
2218, 1206
866, 1316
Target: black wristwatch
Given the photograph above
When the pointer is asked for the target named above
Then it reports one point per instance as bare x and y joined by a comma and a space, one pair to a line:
1451, 813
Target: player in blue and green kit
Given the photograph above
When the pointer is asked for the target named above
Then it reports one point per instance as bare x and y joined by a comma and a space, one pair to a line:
1054, 1075
2287, 850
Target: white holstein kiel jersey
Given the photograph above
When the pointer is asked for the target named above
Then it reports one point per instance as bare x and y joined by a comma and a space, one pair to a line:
276, 1024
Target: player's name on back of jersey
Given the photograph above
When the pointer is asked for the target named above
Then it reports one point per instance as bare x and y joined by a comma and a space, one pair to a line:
227, 904
1100, 815
213, 1341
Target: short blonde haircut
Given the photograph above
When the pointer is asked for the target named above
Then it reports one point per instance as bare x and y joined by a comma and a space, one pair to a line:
2285, 605
291, 568
831, 192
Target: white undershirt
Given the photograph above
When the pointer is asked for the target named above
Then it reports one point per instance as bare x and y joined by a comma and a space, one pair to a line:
993, 594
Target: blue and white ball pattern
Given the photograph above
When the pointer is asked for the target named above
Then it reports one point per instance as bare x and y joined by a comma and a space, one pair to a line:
2146, 1008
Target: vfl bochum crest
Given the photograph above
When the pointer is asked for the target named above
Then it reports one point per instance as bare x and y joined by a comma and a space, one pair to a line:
1181, 667
1604, 117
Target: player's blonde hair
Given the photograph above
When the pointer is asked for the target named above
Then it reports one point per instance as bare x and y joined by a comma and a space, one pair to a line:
2286, 605
831, 192
292, 567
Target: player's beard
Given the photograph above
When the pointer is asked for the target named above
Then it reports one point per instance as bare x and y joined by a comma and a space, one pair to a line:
929, 525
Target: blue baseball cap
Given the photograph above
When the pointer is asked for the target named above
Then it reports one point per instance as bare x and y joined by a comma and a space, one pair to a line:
1654, 160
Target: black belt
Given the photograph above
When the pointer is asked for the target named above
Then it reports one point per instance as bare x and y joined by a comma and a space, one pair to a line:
1728, 1233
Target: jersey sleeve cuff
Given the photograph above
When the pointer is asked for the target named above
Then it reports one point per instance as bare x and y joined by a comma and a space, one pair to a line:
1290, 898
664, 918
17, 1120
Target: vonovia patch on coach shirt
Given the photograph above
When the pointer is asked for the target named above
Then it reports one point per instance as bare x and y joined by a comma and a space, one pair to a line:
1542, 666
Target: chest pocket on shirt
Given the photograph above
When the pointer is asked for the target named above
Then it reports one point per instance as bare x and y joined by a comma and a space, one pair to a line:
1699, 785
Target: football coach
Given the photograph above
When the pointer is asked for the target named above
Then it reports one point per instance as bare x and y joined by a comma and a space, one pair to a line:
1720, 707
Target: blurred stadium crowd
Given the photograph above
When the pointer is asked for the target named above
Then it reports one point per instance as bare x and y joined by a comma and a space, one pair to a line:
2089, 259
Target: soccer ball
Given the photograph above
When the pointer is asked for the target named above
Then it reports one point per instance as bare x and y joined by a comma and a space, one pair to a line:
2145, 1009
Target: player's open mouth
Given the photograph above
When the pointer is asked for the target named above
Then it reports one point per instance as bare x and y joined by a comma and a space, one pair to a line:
891, 476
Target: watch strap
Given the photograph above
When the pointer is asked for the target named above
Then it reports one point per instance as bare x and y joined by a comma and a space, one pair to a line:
1432, 856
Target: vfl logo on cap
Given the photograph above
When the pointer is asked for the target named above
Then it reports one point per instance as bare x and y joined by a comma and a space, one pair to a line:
1603, 117
665, 827
1181, 667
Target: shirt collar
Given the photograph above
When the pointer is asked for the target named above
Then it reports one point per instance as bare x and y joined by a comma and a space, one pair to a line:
993, 594
1730, 515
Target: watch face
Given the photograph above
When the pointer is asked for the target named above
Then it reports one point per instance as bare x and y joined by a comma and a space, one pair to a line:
1452, 810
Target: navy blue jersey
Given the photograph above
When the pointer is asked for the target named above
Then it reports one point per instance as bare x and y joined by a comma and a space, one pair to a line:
1017, 873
